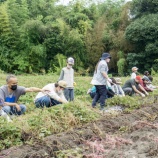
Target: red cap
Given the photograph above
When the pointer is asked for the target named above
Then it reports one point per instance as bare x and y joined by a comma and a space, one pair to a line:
138, 78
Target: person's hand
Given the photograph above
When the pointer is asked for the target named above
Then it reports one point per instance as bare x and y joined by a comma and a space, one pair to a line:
109, 80
143, 95
74, 84
18, 107
45, 91
146, 93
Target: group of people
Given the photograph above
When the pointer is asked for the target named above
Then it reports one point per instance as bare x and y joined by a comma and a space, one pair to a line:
52, 94
63, 90
105, 87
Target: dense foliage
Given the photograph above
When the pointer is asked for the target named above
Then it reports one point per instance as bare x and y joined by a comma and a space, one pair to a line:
143, 34
37, 123
32, 33
36, 36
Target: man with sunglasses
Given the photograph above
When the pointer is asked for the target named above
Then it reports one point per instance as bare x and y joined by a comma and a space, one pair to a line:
52, 95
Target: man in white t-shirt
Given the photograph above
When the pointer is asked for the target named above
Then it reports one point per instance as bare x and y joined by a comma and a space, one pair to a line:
52, 95
134, 72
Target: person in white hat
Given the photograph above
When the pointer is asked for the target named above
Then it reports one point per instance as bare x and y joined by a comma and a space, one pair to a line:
52, 95
67, 74
134, 71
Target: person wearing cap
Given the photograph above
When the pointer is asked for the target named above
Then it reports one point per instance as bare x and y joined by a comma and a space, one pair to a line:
132, 86
100, 79
67, 74
52, 95
149, 83
116, 87
134, 71
145, 81
10, 94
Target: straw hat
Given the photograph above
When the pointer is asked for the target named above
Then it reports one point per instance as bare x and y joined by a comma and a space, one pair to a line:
134, 68
62, 83
118, 80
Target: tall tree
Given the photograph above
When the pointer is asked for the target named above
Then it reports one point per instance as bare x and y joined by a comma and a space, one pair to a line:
143, 34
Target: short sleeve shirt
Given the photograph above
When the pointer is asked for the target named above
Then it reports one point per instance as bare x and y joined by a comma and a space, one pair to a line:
11, 97
98, 78
130, 83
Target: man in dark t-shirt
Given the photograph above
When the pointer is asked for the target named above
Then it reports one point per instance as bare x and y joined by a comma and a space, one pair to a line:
132, 86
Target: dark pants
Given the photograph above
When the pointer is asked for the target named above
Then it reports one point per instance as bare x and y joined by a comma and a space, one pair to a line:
92, 94
46, 101
100, 95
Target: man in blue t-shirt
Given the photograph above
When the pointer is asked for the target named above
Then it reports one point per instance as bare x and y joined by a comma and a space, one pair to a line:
10, 94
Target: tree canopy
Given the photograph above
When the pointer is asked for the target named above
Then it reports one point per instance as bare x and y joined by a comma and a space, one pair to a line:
35, 35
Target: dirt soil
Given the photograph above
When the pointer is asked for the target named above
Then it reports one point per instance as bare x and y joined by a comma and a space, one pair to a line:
126, 135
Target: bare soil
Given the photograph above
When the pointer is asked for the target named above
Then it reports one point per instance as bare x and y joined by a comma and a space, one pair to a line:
126, 135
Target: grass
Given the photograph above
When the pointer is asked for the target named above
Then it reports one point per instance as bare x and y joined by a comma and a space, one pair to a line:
39, 123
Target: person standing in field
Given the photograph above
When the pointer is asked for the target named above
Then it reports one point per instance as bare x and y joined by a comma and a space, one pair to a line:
67, 74
134, 72
11, 93
100, 79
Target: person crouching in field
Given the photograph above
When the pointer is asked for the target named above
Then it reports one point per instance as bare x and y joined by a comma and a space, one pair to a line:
145, 81
100, 79
10, 94
67, 74
116, 88
132, 86
52, 95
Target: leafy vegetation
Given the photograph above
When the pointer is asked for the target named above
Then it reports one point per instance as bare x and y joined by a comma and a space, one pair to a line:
39, 123
142, 33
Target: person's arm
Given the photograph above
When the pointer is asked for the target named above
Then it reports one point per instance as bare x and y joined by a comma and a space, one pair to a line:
61, 75
143, 89
121, 90
62, 100
103, 70
106, 76
114, 89
33, 89
53, 95
137, 91
13, 104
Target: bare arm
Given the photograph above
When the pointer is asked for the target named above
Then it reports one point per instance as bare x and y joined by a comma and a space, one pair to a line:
13, 104
33, 89
136, 90
143, 89
106, 76
62, 100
